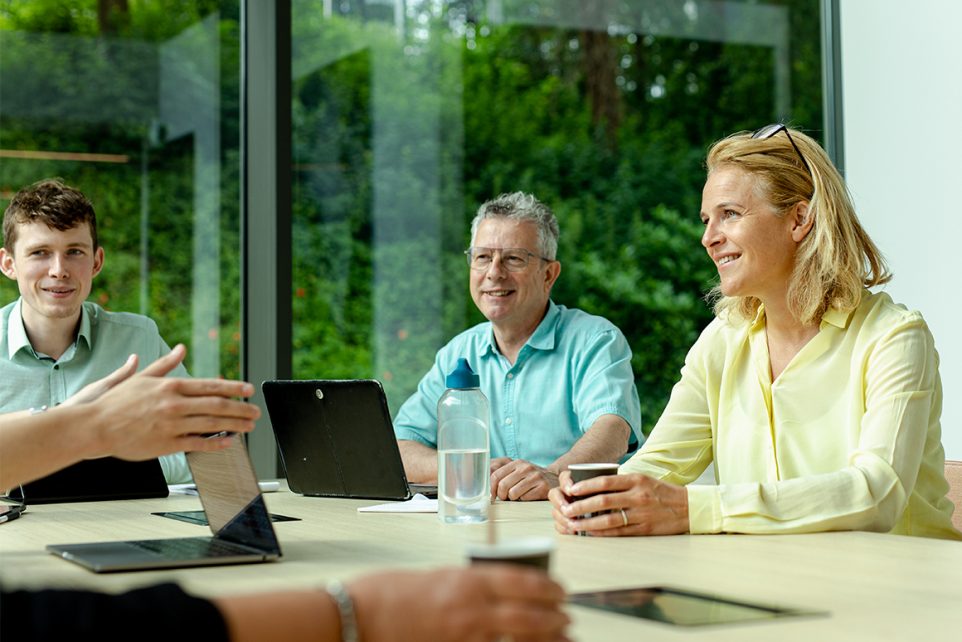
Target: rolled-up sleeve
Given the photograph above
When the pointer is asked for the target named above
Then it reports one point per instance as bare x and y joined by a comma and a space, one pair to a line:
417, 419
605, 383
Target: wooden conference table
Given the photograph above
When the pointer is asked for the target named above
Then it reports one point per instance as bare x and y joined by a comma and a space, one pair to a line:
871, 586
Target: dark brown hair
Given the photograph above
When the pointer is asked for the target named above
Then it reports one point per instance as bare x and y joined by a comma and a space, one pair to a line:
58, 206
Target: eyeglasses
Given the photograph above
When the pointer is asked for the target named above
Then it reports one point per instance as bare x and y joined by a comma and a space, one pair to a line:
770, 130
514, 259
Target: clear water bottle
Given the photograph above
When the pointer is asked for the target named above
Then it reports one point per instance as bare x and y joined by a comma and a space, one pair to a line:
464, 454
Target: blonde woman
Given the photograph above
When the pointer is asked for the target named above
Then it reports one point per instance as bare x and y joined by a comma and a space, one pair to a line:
817, 400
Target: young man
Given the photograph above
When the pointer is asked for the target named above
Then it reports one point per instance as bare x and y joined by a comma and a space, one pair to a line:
52, 341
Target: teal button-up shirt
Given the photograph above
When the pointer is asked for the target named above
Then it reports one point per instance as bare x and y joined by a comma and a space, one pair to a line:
575, 368
104, 341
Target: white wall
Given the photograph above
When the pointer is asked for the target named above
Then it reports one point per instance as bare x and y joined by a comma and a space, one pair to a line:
902, 104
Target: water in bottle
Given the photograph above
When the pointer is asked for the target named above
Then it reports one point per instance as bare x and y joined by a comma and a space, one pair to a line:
463, 451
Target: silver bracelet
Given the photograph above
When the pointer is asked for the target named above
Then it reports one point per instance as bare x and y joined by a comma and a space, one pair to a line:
345, 608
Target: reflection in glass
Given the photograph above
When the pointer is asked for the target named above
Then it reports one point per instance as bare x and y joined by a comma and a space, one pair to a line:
408, 115
137, 106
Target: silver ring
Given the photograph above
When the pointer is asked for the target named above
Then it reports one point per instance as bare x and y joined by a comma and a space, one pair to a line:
624, 516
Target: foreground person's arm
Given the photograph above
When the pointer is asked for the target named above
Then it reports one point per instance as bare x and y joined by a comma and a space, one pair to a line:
454, 605
130, 416
457, 605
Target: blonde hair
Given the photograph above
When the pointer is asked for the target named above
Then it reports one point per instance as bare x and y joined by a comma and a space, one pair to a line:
837, 259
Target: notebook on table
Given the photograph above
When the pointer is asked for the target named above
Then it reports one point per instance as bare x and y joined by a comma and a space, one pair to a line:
96, 480
336, 439
236, 514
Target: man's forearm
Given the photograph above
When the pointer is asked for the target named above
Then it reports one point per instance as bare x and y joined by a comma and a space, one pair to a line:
420, 462
605, 441
34, 446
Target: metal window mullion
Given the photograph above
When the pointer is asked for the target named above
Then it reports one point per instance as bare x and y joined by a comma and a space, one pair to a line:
266, 208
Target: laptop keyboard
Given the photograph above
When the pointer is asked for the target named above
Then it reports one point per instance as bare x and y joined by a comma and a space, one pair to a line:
189, 548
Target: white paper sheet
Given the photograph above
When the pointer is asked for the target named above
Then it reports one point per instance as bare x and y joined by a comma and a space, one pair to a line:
417, 504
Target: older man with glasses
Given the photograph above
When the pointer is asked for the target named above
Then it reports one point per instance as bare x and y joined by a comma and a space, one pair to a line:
558, 380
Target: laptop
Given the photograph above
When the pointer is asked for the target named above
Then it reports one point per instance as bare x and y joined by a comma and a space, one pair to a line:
236, 514
336, 439
96, 480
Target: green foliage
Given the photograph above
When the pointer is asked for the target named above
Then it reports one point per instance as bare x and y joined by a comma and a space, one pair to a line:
515, 111
400, 132
71, 84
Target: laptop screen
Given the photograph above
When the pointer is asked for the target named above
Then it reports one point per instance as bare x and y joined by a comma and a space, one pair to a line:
231, 498
336, 438
100, 479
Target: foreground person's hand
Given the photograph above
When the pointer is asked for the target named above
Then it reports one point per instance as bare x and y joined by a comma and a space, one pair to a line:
146, 415
484, 603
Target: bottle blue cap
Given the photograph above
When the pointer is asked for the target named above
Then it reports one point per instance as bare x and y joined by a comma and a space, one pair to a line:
463, 376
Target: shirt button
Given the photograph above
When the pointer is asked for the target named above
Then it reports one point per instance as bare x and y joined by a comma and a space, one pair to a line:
510, 375
508, 421
56, 367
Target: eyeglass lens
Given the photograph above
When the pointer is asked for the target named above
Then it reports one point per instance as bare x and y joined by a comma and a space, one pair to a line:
770, 130
513, 259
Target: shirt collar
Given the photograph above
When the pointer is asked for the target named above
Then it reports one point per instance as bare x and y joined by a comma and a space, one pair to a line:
759, 319
543, 337
17, 338
832, 316
837, 318
16, 334
85, 332
489, 347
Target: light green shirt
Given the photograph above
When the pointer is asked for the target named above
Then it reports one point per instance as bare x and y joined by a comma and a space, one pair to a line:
573, 369
847, 438
29, 379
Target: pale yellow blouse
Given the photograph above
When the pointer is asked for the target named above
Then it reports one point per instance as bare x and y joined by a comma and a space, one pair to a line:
847, 438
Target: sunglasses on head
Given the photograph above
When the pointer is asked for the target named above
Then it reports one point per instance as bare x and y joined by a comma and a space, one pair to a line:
770, 130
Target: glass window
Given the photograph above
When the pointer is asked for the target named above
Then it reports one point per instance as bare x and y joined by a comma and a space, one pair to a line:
137, 105
408, 114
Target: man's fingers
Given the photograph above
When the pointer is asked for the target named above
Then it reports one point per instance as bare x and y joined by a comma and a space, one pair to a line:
532, 491
533, 487
499, 485
120, 374
517, 485
93, 391
214, 415
214, 388
196, 443
166, 363
505, 486
213, 406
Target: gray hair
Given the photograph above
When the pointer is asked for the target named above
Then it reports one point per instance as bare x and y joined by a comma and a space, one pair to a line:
519, 206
